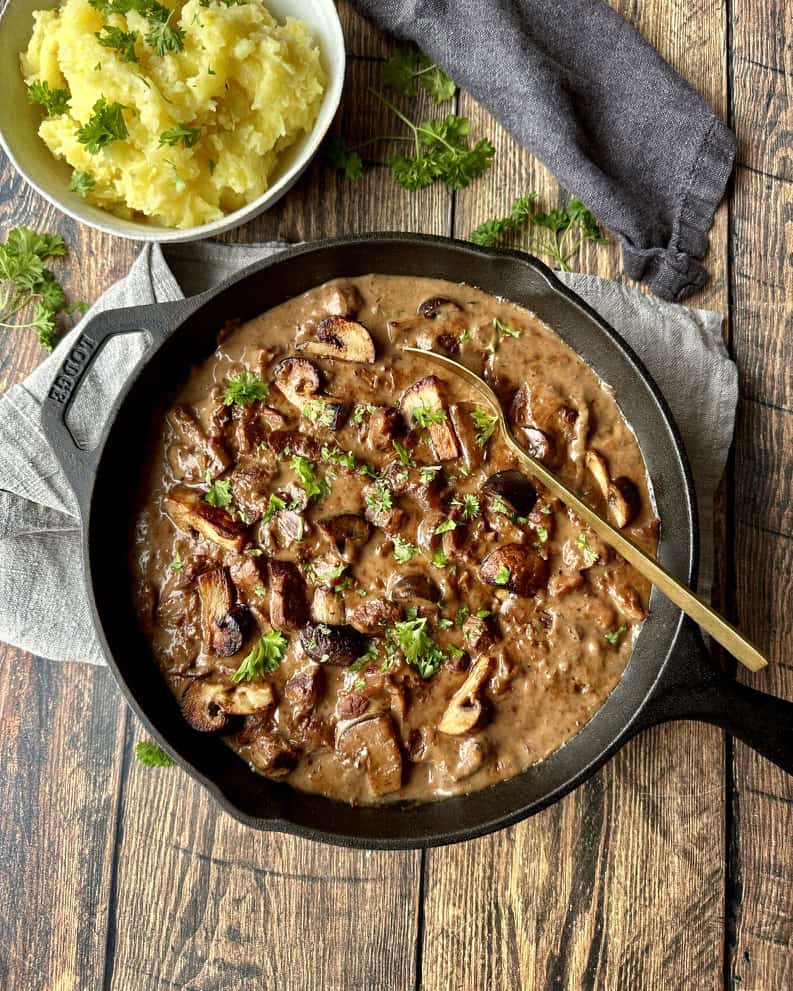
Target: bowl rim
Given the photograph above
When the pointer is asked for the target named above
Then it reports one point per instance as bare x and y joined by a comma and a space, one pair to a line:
336, 59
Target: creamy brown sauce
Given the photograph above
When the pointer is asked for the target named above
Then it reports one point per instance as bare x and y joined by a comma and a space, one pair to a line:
542, 660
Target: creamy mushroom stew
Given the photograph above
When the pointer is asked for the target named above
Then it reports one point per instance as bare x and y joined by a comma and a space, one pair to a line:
341, 569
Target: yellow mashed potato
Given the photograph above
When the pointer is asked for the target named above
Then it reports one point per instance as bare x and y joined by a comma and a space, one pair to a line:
251, 85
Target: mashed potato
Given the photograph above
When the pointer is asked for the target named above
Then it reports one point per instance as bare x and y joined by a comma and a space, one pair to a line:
250, 85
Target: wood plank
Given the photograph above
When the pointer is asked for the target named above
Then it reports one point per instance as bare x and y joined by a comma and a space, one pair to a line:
204, 902
760, 918
62, 727
621, 884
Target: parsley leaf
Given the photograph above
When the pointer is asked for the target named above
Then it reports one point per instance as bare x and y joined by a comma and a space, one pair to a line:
440, 558
245, 388
54, 101
407, 69
502, 576
121, 41
485, 424
265, 657
590, 557
502, 328
306, 471
82, 183
424, 416
341, 157
495, 231
379, 499
150, 754
219, 493
177, 564
25, 282
319, 412
163, 38
417, 646
614, 636
469, 505
446, 526
404, 551
104, 127
189, 136
404, 454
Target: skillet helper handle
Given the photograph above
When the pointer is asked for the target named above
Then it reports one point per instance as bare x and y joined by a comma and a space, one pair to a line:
697, 690
156, 321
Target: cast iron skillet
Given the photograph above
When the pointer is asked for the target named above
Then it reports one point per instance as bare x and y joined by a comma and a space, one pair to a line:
668, 677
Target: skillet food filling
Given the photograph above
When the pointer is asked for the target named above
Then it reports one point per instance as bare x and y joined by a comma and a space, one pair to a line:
340, 567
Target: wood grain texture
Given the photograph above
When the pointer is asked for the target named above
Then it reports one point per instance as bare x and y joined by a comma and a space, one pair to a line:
760, 910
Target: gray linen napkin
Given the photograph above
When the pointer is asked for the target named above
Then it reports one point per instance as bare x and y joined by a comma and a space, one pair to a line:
42, 603
581, 89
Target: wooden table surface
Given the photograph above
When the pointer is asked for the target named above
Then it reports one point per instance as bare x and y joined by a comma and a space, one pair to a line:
671, 868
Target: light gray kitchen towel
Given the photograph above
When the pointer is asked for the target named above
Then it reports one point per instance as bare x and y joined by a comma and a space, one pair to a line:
43, 607
583, 91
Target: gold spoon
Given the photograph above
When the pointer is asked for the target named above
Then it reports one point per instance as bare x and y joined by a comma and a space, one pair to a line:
680, 594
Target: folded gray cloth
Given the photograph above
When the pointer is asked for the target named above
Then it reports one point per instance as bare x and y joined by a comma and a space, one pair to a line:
581, 89
42, 603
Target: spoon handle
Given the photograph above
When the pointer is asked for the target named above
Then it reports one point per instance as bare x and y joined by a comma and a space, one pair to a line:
702, 614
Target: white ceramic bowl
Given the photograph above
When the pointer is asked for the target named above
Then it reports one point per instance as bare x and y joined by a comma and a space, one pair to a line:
19, 122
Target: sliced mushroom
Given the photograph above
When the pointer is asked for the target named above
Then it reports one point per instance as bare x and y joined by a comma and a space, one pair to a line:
342, 338
402, 588
327, 607
438, 306
516, 567
460, 414
189, 511
201, 708
373, 743
513, 487
621, 495
338, 645
223, 625
342, 300
373, 614
347, 533
245, 699
427, 394
466, 708
288, 606
470, 757
297, 379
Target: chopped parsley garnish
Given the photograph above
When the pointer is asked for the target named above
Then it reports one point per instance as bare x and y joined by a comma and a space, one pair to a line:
546, 509
485, 424
590, 557
502, 328
104, 127
54, 101
497, 505
151, 754
265, 657
417, 646
483, 613
274, 505
469, 506
404, 551
462, 615
446, 526
404, 454
82, 183
542, 534
260, 590
336, 456
163, 38
219, 493
177, 564
427, 473
424, 416
369, 657
502, 576
319, 412
245, 388
361, 411
121, 41
408, 69
315, 488
440, 558
614, 636
327, 575
187, 136
380, 499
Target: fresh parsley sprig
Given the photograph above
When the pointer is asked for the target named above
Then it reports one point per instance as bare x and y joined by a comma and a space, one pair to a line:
120, 41
265, 658
181, 134
245, 388
558, 235
408, 69
105, 126
54, 101
150, 754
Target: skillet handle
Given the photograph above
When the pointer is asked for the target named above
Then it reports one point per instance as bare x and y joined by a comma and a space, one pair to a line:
156, 322
695, 689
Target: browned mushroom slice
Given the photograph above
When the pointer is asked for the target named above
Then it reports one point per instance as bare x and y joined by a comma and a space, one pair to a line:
339, 645
623, 501
514, 488
347, 533
422, 405
327, 607
402, 588
186, 426
597, 466
246, 699
438, 306
302, 689
470, 758
288, 606
539, 444
201, 708
297, 379
341, 301
339, 337
291, 442
466, 708
460, 414
373, 744
189, 511
223, 625
516, 567
373, 614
